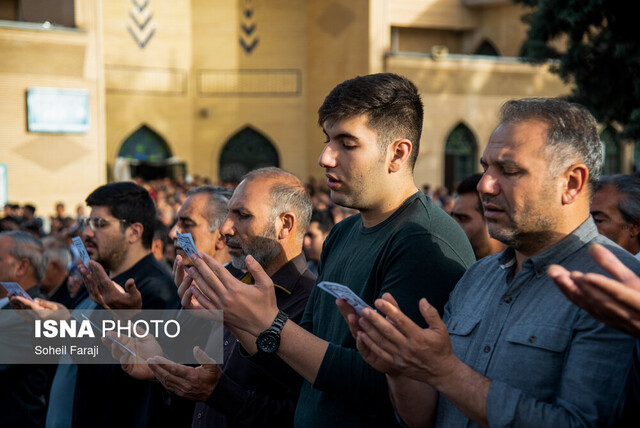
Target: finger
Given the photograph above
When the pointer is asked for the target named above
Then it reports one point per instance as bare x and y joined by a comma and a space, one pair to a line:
350, 316
371, 352
184, 285
258, 273
597, 287
130, 287
47, 304
178, 270
202, 357
207, 281
22, 303
609, 262
431, 316
204, 301
381, 330
389, 298
565, 283
402, 322
170, 368
186, 300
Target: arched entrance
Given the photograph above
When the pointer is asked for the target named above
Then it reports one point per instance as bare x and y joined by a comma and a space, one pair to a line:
459, 156
247, 150
148, 156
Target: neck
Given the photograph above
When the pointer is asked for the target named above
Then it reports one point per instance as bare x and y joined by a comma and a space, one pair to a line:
393, 199
132, 257
536, 245
53, 283
222, 256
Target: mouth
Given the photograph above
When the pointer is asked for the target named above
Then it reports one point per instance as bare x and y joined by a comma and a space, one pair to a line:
492, 210
333, 182
234, 247
186, 260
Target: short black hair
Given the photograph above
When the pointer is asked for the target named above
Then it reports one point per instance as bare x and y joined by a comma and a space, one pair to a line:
391, 101
130, 202
324, 219
470, 185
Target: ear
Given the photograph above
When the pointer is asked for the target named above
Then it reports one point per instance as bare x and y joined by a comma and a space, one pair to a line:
399, 152
634, 230
22, 268
221, 241
134, 232
574, 183
287, 222
157, 247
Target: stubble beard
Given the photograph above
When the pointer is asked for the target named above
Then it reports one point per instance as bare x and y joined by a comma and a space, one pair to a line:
263, 249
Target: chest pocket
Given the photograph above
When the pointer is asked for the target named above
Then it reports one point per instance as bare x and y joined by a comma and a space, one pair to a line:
549, 338
460, 329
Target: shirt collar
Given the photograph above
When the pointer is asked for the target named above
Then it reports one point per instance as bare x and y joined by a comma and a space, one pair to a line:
287, 276
556, 253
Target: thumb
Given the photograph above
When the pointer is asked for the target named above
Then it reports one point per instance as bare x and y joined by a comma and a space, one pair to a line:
260, 277
203, 358
431, 315
130, 286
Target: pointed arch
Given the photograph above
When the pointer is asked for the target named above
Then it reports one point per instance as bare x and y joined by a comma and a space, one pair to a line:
612, 151
144, 144
246, 150
460, 155
486, 48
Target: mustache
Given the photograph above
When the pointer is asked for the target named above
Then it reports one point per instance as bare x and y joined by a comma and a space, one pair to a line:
232, 242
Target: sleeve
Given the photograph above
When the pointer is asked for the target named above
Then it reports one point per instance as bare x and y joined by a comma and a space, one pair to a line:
592, 389
417, 265
245, 407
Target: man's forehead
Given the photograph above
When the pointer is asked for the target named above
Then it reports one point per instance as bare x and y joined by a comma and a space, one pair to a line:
100, 211
337, 125
251, 192
193, 205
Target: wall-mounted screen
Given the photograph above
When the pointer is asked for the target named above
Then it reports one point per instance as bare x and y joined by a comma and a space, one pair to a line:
58, 110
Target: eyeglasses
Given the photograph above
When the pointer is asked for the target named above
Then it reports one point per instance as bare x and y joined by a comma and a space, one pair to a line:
99, 222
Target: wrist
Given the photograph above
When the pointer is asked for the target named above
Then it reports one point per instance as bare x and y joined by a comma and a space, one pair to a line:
446, 373
265, 321
268, 341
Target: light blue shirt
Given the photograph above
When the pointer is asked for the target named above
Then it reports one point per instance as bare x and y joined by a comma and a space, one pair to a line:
551, 363
63, 387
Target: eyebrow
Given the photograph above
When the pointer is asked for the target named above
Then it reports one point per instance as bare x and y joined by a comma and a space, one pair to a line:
342, 135
501, 163
597, 212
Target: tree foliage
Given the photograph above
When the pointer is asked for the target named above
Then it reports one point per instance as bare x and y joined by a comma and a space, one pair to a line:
601, 57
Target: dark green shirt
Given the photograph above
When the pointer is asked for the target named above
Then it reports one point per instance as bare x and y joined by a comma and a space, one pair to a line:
419, 251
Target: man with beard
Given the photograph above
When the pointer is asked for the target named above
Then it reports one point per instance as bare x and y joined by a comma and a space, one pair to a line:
201, 215
118, 236
23, 387
510, 349
399, 242
268, 216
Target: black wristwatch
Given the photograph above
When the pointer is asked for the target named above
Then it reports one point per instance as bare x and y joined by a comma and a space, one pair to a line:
269, 340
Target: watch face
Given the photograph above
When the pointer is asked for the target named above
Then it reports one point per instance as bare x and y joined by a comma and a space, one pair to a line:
267, 343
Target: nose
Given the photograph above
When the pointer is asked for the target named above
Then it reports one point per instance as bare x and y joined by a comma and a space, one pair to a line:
227, 227
87, 232
327, 158
306, 242
488, 184
172, 232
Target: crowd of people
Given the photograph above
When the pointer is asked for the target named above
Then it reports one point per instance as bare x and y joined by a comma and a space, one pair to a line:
513, 300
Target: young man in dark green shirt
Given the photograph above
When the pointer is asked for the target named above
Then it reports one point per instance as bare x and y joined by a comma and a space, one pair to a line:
400, 242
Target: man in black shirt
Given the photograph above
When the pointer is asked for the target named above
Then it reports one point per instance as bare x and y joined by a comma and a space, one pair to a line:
268, 216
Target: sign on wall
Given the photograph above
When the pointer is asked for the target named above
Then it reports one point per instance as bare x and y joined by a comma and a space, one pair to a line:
58, 110
4, 187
